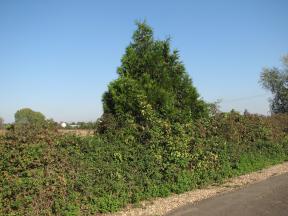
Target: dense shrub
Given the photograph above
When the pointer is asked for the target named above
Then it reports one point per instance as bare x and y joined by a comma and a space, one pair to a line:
45, 131
70, 175
279, 125
155, 138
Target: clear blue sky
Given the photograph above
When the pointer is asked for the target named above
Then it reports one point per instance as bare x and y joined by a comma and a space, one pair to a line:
58, 56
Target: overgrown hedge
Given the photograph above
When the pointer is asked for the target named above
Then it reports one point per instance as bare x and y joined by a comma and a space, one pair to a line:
156, 137
70, 175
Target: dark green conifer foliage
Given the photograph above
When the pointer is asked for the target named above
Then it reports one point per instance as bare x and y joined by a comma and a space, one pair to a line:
152, 79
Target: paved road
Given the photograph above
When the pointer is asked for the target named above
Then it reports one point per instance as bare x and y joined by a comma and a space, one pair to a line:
269, 197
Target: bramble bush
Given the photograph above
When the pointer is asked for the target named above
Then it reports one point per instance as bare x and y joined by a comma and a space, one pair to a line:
156, 137
73, 175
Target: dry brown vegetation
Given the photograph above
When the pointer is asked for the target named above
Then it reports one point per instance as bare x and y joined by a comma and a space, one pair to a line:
2, 132
79, 132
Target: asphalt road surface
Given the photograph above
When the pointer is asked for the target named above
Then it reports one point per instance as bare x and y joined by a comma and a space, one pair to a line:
269, 197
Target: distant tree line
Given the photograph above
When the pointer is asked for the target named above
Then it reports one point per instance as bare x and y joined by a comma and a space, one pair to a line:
82, 125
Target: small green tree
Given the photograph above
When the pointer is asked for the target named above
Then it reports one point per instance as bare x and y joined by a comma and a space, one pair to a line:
28, 116
152, 79
276, 80
31, 127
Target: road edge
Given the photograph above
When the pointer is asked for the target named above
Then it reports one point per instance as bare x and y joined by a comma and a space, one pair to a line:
161, 206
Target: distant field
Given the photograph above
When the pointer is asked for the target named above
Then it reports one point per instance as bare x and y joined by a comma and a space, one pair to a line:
79, 132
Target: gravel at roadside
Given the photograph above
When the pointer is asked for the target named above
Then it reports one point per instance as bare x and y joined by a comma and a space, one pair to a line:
161, 206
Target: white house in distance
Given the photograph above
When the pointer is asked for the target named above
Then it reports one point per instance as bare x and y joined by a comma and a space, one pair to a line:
63, 124
74, 126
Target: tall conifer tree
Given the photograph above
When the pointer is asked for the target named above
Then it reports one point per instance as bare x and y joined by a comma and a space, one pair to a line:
152, 77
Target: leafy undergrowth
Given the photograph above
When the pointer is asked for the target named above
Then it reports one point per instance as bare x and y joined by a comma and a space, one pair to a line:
70, 175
